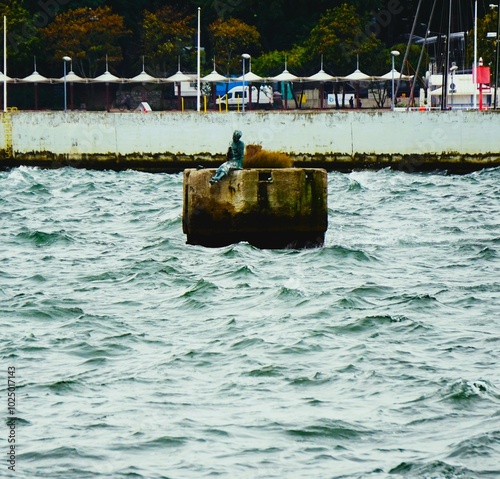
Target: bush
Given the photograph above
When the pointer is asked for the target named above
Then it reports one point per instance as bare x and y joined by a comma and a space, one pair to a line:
256, 157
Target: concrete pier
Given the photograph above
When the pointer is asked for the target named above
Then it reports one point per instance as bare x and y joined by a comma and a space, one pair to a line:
458, 141
269, 208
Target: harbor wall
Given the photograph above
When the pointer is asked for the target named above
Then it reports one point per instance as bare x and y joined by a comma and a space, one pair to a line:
336, 140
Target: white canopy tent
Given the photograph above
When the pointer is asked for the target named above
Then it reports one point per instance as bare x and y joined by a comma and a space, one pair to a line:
35, 78
71, 78
107, 78
250, 77
4, 78
397, 75
143, 77
214, 77
285, 76
178, 78
357, 77
321, 76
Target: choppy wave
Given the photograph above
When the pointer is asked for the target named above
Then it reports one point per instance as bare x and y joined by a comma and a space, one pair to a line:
139, 356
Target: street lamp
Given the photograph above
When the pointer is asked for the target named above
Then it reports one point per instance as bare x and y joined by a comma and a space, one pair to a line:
66, 59
496, 53
453, 69
394, 54
244, 56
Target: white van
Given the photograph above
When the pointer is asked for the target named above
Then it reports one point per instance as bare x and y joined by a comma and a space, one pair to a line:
261, 98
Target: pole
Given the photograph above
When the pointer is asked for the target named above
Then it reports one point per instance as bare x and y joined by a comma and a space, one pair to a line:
452, 85
244, 56
412, 92
474, 66
198, 80
243, 96
408, 46
5, 63
394, 54
392, 104
65, 97
480, 86
495, 105
444, 103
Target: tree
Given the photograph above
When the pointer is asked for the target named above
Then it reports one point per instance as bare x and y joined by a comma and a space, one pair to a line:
272, 63
232, 37
23, 38
486, 47
88, 36
166, 35
341, 36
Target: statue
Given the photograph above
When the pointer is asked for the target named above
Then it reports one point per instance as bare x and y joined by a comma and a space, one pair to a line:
235, 155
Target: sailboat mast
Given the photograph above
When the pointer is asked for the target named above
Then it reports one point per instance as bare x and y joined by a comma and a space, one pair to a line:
474, 65
444, 103
413, 83
408, 46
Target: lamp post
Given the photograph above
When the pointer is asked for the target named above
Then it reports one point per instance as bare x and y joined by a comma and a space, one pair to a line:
198, 65
497, 52
474, 65
5, 64
66, 59
453, 69
244, 56
394, 54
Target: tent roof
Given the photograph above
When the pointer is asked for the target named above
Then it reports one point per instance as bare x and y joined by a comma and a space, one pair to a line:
285, 75
250, 77
35, 77
3, 78
214, 77
143, 77
320, 76
179, 77
107, 77
71, 77
358, 75
397, 75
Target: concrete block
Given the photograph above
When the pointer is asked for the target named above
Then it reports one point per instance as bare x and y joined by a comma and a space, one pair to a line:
269, 208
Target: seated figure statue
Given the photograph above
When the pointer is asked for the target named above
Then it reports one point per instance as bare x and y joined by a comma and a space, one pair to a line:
235, 155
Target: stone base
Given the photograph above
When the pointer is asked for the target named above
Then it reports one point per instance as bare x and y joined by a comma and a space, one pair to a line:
268, 208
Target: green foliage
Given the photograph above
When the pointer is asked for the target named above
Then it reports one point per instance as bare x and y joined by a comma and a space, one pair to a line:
485, 46
273, 63
230, 38
166, 35
23, 38
87, 36
340, 37
303, 31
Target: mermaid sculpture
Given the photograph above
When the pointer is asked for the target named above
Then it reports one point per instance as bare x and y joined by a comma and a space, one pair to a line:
235, 155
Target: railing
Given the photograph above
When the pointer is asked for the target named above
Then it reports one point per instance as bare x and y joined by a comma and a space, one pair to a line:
7, 130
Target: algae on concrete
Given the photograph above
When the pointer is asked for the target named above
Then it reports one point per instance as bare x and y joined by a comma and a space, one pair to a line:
269, 208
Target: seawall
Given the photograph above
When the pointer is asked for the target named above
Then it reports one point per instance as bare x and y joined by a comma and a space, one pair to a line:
459, 141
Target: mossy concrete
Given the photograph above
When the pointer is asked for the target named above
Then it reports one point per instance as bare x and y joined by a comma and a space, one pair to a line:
269, 208
457, 141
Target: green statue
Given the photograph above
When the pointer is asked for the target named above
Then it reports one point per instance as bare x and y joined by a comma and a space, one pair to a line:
235, 155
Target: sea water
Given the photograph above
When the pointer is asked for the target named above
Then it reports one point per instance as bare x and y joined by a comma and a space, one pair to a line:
136, 355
